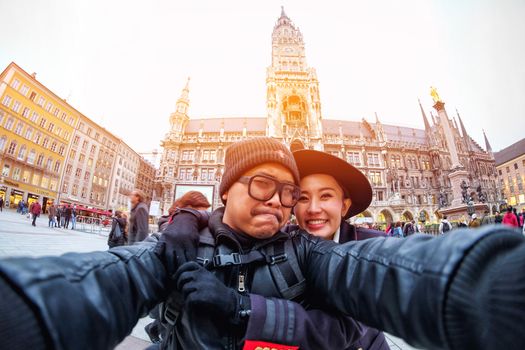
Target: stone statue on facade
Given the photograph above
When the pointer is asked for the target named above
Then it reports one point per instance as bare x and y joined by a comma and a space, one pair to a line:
464, 191
482, 197
442, 199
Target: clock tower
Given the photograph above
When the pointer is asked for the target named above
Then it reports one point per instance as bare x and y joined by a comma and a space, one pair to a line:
293, 103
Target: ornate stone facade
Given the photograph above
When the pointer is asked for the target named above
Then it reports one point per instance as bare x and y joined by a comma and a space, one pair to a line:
408, 168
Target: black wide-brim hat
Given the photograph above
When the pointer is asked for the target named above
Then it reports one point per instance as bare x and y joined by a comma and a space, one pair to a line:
353, 181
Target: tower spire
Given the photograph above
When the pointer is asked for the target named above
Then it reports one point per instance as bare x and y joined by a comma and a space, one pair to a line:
487, 144
425, 120
466, 138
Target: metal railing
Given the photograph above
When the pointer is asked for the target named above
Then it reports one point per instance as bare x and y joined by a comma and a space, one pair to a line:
91, 224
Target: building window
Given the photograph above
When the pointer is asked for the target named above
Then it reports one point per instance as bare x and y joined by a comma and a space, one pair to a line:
84, 145
15, 83
49, 106
93, 149
6, 101
9, 123
69, 169
18, 129
16, 174
36, 180
207, 174
81, 158
515, 165
90, 162
63, 116
508, 169
5, 170
22, 152
78, 172
375, 178
53, 147
72, 154
373, 159
50, 127
16, 106
49, 164
83, 193
45, 182
38, 136
188, 155
396, 161
56, 111
24, 90
76, 140
43, 123
34, 117
380, 196
353, 158
25, 112
31, 156
71, 121
25, 176
41, 101
40, 160
45, 142
65, 186
12, 148
74, 191
87, 175
57, 166
32, 96
61, 150
3, 141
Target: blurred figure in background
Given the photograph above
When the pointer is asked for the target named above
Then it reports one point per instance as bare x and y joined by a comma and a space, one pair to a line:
138, 218
117, 235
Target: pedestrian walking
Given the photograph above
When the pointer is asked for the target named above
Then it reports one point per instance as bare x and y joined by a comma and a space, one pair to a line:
36, 209
1, 204
67, 216
73, 216
510, 219
138, 219
51, 213
444, 225
498, 218
59, 215
117, 234
62, 216
486, 219
398, 231
474, 222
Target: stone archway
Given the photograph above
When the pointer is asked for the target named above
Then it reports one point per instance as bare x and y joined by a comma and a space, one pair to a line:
385, 217
364, 217
407, 216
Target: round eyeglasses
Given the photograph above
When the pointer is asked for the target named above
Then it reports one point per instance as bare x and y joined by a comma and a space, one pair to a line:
262, 188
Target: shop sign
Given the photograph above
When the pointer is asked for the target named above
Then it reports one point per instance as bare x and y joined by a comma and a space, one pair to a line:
14, 184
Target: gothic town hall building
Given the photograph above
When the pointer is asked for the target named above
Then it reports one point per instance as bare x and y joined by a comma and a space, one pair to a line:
408, 168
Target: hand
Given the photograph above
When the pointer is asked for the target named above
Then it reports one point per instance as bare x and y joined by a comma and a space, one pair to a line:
202, 290
181, 240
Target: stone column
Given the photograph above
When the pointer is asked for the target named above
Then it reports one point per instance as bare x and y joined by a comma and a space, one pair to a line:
449, 138
456, 178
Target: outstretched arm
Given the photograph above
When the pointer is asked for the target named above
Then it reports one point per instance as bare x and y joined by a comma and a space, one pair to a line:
82, 301
465, 290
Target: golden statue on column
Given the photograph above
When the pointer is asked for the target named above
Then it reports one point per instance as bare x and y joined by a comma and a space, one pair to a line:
435, 95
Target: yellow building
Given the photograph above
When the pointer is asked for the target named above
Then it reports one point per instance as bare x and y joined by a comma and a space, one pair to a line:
510, 163
35, 129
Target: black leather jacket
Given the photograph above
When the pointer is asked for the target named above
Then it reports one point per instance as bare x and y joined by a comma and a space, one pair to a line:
422, 289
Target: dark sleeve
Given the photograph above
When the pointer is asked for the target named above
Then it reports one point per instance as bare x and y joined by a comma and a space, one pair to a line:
142, 220
91, 300
286, 322
433, 292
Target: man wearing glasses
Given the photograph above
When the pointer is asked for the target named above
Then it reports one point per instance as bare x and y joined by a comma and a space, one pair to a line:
465, 290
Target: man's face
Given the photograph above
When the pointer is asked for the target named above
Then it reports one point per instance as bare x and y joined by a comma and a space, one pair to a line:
256, 218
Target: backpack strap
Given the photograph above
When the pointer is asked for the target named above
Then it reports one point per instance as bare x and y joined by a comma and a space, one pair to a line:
285, 269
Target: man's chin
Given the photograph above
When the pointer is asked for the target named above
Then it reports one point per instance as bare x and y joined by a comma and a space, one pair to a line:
264, 232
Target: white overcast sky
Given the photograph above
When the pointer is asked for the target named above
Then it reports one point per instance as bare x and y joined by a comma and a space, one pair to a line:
124, 63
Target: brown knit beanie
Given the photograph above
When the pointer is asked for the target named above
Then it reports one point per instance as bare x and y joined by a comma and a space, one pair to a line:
242, 156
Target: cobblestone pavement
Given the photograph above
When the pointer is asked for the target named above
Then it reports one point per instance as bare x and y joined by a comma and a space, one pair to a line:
19, 238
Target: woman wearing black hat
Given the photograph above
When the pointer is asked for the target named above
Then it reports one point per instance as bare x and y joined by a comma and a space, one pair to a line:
332, 191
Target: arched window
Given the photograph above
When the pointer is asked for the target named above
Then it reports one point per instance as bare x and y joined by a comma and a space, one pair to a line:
40, 160
31, 157
3, 141
22, 152
12, 148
